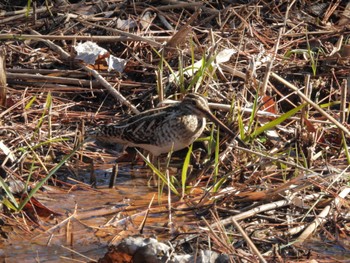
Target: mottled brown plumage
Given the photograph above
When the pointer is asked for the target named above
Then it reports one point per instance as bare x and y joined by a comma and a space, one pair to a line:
162, 129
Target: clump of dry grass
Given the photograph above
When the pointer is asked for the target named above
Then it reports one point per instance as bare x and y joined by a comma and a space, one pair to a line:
275, 73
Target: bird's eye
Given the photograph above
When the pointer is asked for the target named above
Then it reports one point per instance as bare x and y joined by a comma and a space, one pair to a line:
194, 102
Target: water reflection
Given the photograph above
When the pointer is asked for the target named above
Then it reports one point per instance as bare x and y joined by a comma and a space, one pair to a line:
91, 218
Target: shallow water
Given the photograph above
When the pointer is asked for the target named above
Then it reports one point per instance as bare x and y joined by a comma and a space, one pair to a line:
100, 216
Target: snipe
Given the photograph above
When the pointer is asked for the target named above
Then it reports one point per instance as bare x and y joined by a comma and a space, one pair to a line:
164, 129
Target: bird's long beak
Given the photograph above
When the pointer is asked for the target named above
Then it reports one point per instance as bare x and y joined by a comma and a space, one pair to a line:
211, 116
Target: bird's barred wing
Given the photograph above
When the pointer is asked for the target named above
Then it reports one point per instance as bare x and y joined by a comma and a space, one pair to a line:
139, 129
144, 130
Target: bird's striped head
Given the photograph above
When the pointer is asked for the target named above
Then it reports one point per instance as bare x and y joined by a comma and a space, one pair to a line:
197, 103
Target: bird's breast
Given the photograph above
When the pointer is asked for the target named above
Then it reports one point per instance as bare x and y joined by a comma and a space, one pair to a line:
180, 131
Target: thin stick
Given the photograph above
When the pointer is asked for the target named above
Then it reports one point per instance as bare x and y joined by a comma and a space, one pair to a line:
270, 64
113, 175
313, 104
142, 225
96, 39
102, 80
344, 90
126, 34
248, 240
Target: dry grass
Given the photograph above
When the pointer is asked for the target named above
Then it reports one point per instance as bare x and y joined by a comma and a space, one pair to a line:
281, 85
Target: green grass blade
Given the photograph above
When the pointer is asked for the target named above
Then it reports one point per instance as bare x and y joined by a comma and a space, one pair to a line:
219, 183
159, 76
198, 77
47, 177
185, 169
211, 140
252, 115
9, 204
193, 57
12, 200
28, 9
46, 110
30, 103
181, 75
329, 104
346, 148
241, 126
159, 174
172, 73
277, 121
217, 149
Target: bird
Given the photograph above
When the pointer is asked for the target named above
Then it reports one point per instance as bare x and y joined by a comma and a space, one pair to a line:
164, 129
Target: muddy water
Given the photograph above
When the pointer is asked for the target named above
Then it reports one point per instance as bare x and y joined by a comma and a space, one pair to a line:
90, 219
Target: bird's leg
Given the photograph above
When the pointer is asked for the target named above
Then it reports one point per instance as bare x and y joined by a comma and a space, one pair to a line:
135, 156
